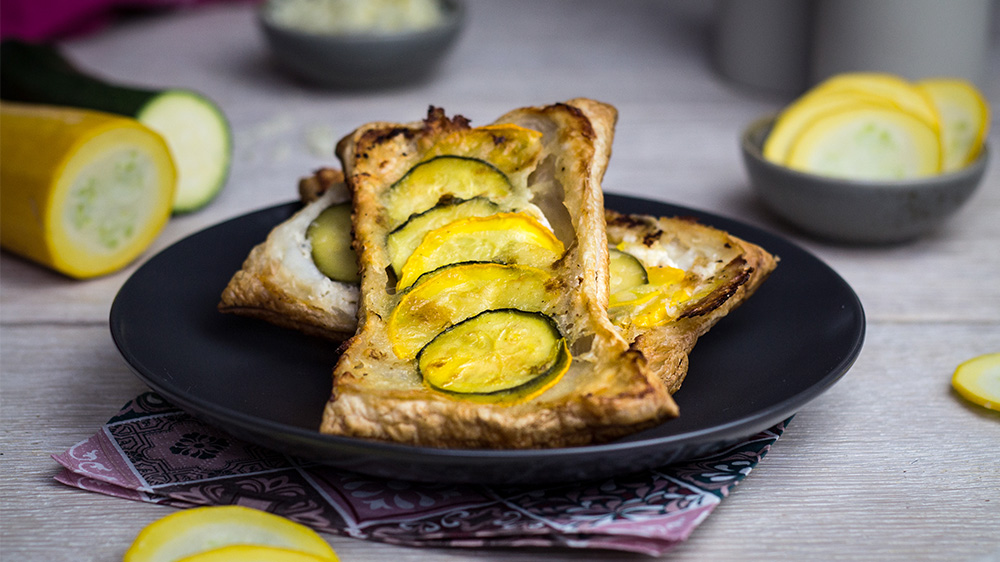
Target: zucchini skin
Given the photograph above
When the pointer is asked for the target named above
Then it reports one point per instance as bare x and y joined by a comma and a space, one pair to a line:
38, 73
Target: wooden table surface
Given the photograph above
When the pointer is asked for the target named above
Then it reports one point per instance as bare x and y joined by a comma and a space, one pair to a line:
890, 464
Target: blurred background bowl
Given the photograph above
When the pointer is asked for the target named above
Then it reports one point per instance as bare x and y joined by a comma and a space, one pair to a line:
856, 211
363, 60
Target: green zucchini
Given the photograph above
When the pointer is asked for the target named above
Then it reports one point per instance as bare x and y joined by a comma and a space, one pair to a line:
330, 238
444, 177
626, 271
406, 237
195, 129
505, 355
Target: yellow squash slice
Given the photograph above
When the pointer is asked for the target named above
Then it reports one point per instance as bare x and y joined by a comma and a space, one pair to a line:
867, 143
456, 292
404, 239
511, 148
193, 531
804, 111
653, 303
665, 275
630, 298
891, 88
81, 192
444, 177
511, 238
252, 553
978, 380
496, 356
964, 119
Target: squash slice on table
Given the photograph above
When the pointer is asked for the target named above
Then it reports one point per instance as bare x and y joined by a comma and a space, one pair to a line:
978, 380
193, 531
252, 553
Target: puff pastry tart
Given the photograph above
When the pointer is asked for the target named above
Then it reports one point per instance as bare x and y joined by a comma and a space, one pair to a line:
492, 331
490, 314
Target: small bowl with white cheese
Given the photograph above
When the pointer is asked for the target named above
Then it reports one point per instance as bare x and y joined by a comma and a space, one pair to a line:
360, 43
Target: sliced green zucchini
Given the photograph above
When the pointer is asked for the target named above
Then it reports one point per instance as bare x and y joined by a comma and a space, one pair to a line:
441, 178
502, 238
195, 129
455, 292
330, 238
199, 139
404, 239
496, 356
626, 271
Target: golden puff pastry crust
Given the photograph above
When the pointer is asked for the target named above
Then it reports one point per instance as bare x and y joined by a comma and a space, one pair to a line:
608, 390
723, 271
280, 283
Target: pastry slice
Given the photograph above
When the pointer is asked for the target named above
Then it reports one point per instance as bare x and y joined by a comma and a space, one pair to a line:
502, 339
280, 281
672, 280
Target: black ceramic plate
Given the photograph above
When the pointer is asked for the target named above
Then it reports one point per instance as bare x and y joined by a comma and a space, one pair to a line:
797, 336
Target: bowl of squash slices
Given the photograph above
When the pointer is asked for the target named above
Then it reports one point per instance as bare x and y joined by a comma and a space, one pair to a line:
869, 158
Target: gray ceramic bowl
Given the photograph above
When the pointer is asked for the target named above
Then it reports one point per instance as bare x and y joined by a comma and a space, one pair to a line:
865, 212
363, 60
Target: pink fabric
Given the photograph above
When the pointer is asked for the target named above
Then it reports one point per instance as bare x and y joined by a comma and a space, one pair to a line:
153, 452
42, 20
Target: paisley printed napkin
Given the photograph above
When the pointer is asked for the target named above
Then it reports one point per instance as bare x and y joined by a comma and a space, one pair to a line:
153, 452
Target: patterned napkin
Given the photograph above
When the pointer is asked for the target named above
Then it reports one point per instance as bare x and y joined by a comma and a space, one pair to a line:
153, 452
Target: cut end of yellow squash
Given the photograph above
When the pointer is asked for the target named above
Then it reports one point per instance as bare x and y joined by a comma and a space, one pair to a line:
978, 380
191, 534
83, 192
